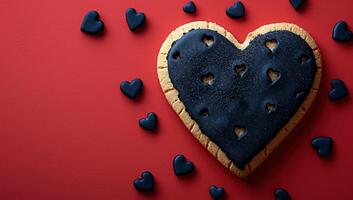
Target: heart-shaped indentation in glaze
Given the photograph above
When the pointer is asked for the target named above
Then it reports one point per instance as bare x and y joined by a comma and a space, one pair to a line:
239, 100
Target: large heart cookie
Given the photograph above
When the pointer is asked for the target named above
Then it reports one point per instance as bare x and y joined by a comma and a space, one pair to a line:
239, 100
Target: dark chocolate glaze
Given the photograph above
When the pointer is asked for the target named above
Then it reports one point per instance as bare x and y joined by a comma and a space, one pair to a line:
239, 100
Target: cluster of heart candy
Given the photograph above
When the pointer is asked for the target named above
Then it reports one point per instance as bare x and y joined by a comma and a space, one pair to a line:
92, 24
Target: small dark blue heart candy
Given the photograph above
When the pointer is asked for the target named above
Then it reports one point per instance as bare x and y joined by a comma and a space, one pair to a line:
181, 166
322, 145
145, 183
91, 23
134, 19
131, 89
341, 32
297, 3
338, 90
216, 192
282, 194
190, 7
150, 122
236, 11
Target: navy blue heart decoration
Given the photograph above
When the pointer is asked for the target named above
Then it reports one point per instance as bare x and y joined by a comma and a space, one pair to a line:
181, 166
92, 24
236, 11
216, 193
134, 19
190, 7
338, 90
297, 3
341, 32
150, 122
282, 194
322, 145
145, 183
131, 89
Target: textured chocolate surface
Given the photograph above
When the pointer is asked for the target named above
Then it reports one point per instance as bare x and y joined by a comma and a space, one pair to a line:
224, 88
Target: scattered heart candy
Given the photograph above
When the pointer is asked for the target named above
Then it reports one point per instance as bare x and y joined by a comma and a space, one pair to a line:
92, 24
150, 122
190, 7
322, 145
338, 90
236, 11
131, 89
297, 3
134, 19
216, 193
341, 32
145, 183
281, 194
181, 166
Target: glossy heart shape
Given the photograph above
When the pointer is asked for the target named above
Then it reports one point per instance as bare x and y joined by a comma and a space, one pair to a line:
181, 166
150, 122
322, 145
131, 89
134, 19
145, 183
91, 23
236, 11
341, 32
216, 192
281, 194
239, 100
338, 90
297, 3
190, 7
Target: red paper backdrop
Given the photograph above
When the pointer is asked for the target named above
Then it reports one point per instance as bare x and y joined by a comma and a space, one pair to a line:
66, 131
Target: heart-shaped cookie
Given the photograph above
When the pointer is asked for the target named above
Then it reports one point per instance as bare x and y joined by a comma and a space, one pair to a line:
240, 100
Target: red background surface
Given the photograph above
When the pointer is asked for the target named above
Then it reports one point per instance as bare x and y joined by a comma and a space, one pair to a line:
66, 131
